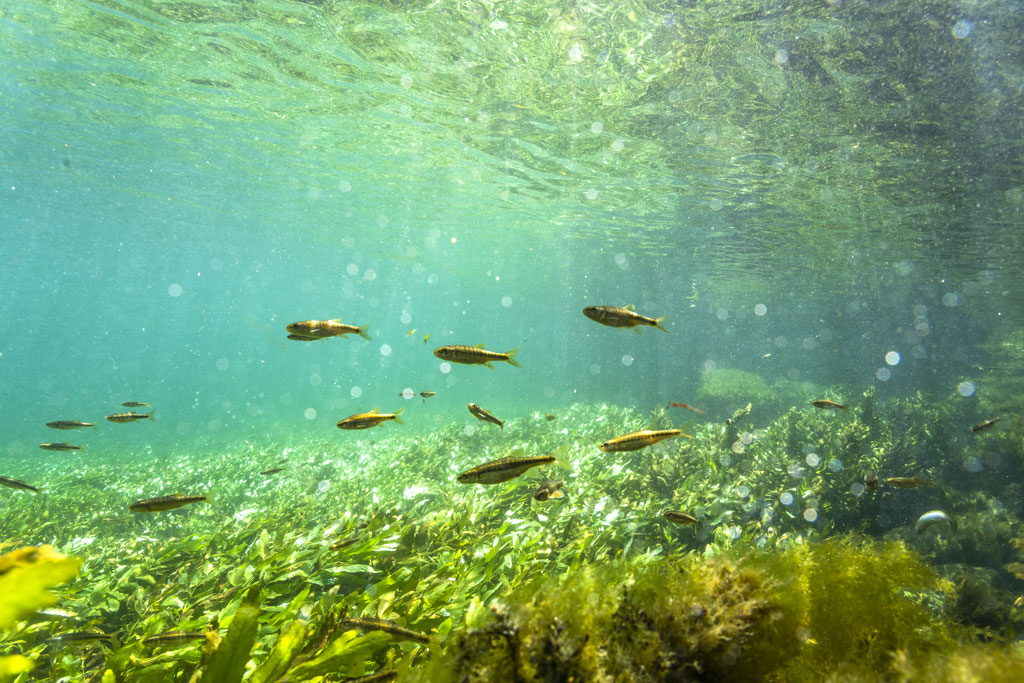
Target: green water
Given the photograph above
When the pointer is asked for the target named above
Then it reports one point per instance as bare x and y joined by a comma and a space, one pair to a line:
825, 196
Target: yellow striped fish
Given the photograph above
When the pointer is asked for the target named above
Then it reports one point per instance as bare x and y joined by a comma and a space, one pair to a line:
634, 441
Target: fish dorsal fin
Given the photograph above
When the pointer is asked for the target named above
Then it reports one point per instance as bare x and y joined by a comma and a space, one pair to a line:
375, 411
335, 320
478, 346
630, 307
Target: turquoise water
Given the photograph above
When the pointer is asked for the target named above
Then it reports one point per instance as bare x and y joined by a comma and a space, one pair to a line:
182, 180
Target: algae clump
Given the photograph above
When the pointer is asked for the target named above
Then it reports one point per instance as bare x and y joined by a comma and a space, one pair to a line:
839, 607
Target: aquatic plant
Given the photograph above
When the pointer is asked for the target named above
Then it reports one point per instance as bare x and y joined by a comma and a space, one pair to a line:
837, 607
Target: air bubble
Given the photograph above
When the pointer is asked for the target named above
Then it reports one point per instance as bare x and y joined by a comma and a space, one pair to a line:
596, 127
892, 358
627, 360
310, 413
469, 430
175, 290
760, 310
385, 350
812, 459
811, 515
786, 498
966, 388
506, 301
356, 392
446, 367
351, 269
408, 393
962, 29
884, 374
223, 363
576, 53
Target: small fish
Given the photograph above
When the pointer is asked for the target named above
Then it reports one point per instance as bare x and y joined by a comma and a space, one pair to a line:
475, 355
79, 637
871, 480
322, 329
767, 355
411, 332
626, 316
503, 469
484, 415
379, 677
677, 517
426, 338
343, 544
428, 394
370, 419
548, 489
826, 404
135, 404
371, 624
930, 519
17, 484
173, 637
987, 424
62, 446
69, 424
130, 417
166, 503
550, 417
688, 407
634, 441
272, 470
908, 482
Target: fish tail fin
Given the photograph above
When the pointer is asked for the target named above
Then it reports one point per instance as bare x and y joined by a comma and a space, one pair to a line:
659, 321
149, 415
501, 425
512, 357
397, 413
362, 333
210, 497
561, 457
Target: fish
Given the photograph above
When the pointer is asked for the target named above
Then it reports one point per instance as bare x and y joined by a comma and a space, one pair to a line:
411, 332
987, 424
272, 470
130, 417
173, 637
379, 677
634, 441
372, 624
428, 394
343, 544
62, 446
69, 424
484, 415
930, 519
908, 482
475, 355
871, 480
688, 407
677, 517
79, 637
135, 404
167, 503
626, 316
370, 419
548, 489
503, 469
550, 417
826, 404
17, 484
322, 329
426, 337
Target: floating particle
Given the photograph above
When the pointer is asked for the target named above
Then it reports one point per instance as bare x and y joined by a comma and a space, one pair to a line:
223, 363
812, 459
962, 29
786, 498
310, 413
627, 360
743, 491
174, 290
883, 374
323, 486
385, 350
892, 358
356, 392
782, 57
760, 310
351, 269
506, 301
446, 368
835, 464
596, 127
811, 515
576, 53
